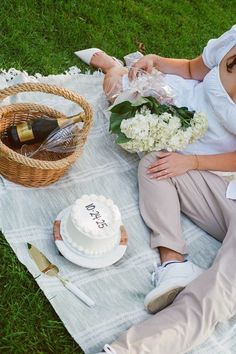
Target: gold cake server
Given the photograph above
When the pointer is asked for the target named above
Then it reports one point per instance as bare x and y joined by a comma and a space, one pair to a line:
46, 267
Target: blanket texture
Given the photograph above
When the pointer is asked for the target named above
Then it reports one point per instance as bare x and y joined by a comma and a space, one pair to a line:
27, 215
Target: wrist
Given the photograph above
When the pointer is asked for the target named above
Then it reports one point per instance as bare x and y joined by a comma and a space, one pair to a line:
156, 60
192, 162
195, 162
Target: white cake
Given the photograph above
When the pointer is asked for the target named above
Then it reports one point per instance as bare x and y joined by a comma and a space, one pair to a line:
92, 225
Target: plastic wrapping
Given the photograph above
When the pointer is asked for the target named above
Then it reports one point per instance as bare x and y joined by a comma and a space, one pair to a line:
119, 88
145, 85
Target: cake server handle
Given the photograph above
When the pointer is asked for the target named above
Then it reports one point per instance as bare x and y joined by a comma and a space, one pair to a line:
79, 293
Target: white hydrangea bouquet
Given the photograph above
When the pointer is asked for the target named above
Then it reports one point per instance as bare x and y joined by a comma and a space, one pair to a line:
146, 125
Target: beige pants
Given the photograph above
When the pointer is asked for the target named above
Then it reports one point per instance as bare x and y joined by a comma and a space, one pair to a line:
209, 299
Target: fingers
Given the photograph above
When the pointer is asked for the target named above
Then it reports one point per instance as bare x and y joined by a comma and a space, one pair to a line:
162, 159
164, 174
133, 72
168, 175
166, 166
158, 166
163, 154
145, 64
160, 169
141, 66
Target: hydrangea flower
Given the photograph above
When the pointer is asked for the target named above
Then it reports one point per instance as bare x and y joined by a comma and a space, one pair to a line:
149, 131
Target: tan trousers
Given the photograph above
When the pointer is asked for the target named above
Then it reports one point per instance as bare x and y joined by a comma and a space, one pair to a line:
209, 299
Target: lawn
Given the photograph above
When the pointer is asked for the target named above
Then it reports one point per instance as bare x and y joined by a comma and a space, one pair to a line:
41, 36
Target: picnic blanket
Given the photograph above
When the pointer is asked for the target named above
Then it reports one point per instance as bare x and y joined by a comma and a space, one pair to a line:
27, 215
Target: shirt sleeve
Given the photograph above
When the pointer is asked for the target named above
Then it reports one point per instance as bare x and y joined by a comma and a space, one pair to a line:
217, 48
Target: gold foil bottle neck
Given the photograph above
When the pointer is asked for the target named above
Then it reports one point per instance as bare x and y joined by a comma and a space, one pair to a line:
73, 119
25, 132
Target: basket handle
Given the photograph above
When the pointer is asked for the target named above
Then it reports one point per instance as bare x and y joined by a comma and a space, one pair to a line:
59, 91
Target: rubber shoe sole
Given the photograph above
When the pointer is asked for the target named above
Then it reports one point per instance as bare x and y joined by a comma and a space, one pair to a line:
156, 304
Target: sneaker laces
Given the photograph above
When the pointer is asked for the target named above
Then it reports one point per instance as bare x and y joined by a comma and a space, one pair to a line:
156, 274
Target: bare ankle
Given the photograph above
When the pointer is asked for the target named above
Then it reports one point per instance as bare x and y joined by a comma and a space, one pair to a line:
166, 254
101, 60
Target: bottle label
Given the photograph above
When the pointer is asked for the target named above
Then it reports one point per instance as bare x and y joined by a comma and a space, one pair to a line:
25, 132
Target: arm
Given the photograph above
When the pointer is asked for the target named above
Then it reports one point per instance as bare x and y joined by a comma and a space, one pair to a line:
188, 69
225, 162
171, 164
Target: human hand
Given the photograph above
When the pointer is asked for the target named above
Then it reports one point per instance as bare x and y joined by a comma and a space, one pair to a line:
171, 164
147, 63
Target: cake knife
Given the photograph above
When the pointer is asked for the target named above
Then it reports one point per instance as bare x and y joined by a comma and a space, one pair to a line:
46, 267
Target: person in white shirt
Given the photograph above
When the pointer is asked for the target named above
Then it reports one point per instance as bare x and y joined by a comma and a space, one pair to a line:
194, 300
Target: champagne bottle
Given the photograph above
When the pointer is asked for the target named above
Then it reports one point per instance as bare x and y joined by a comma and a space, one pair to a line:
37, 130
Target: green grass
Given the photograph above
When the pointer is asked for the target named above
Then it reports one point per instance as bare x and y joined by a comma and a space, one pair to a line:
41, 36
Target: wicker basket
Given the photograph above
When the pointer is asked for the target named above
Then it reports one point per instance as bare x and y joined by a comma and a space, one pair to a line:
36, 172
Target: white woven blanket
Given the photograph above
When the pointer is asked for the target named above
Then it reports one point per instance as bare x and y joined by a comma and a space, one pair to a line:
27, 214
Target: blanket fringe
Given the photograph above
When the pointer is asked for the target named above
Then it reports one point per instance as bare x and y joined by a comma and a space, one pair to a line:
8, 75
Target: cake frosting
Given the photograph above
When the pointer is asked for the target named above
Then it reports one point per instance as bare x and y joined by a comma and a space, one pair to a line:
92, 225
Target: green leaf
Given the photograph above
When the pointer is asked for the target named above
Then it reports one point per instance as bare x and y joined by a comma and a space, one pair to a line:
152, 100
126, 110
140, 102
184, 112
122, 138
115, 121
152, 104
122, 107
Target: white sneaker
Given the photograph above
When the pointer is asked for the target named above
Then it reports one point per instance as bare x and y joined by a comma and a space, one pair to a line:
107, 349
169, 279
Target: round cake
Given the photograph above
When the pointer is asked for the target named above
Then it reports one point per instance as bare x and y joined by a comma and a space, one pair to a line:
92, 225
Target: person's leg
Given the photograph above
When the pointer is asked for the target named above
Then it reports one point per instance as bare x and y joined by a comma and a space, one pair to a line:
208, 299
160, 208
113, 70
160, 204
112, 83
192, 317
104, 62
